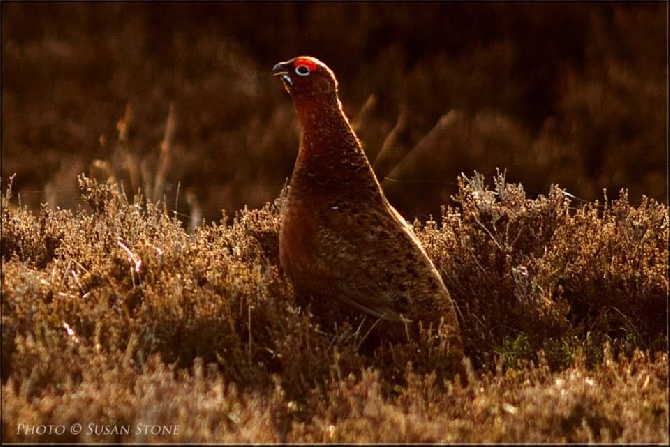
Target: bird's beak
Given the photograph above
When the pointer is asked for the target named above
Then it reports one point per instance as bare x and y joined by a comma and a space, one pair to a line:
281, 70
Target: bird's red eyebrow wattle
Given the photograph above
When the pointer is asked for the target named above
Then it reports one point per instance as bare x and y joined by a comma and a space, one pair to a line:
306, 62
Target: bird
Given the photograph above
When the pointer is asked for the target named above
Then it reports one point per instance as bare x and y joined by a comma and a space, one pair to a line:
339, 237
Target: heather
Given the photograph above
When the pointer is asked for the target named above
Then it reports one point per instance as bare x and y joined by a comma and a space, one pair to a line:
145, 148
566, 94
113, 314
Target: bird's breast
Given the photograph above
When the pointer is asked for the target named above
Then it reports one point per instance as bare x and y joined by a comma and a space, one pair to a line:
297, 236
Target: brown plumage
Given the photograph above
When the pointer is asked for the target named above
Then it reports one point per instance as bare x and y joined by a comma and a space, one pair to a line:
339, 238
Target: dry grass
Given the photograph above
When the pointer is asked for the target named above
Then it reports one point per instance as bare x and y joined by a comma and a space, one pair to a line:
114, 315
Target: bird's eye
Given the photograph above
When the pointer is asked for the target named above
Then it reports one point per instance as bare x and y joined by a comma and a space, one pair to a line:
302, 70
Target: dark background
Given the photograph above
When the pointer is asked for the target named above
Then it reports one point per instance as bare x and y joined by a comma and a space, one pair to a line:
574, 94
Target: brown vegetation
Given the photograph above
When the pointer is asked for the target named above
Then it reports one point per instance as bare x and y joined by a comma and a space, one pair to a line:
128, 298
115, 315
582, 103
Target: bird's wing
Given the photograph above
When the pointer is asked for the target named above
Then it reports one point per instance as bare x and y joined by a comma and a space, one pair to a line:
375, 267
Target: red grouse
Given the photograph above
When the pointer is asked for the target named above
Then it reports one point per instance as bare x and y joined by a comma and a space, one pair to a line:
339, 237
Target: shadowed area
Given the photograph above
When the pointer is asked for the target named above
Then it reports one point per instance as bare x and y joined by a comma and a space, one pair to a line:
554, 93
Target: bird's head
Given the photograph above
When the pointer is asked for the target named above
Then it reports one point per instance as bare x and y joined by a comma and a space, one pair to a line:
307, 77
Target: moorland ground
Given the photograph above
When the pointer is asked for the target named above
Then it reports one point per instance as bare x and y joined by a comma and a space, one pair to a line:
129, 300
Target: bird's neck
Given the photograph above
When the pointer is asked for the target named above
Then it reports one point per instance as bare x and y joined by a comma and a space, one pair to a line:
330, 153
